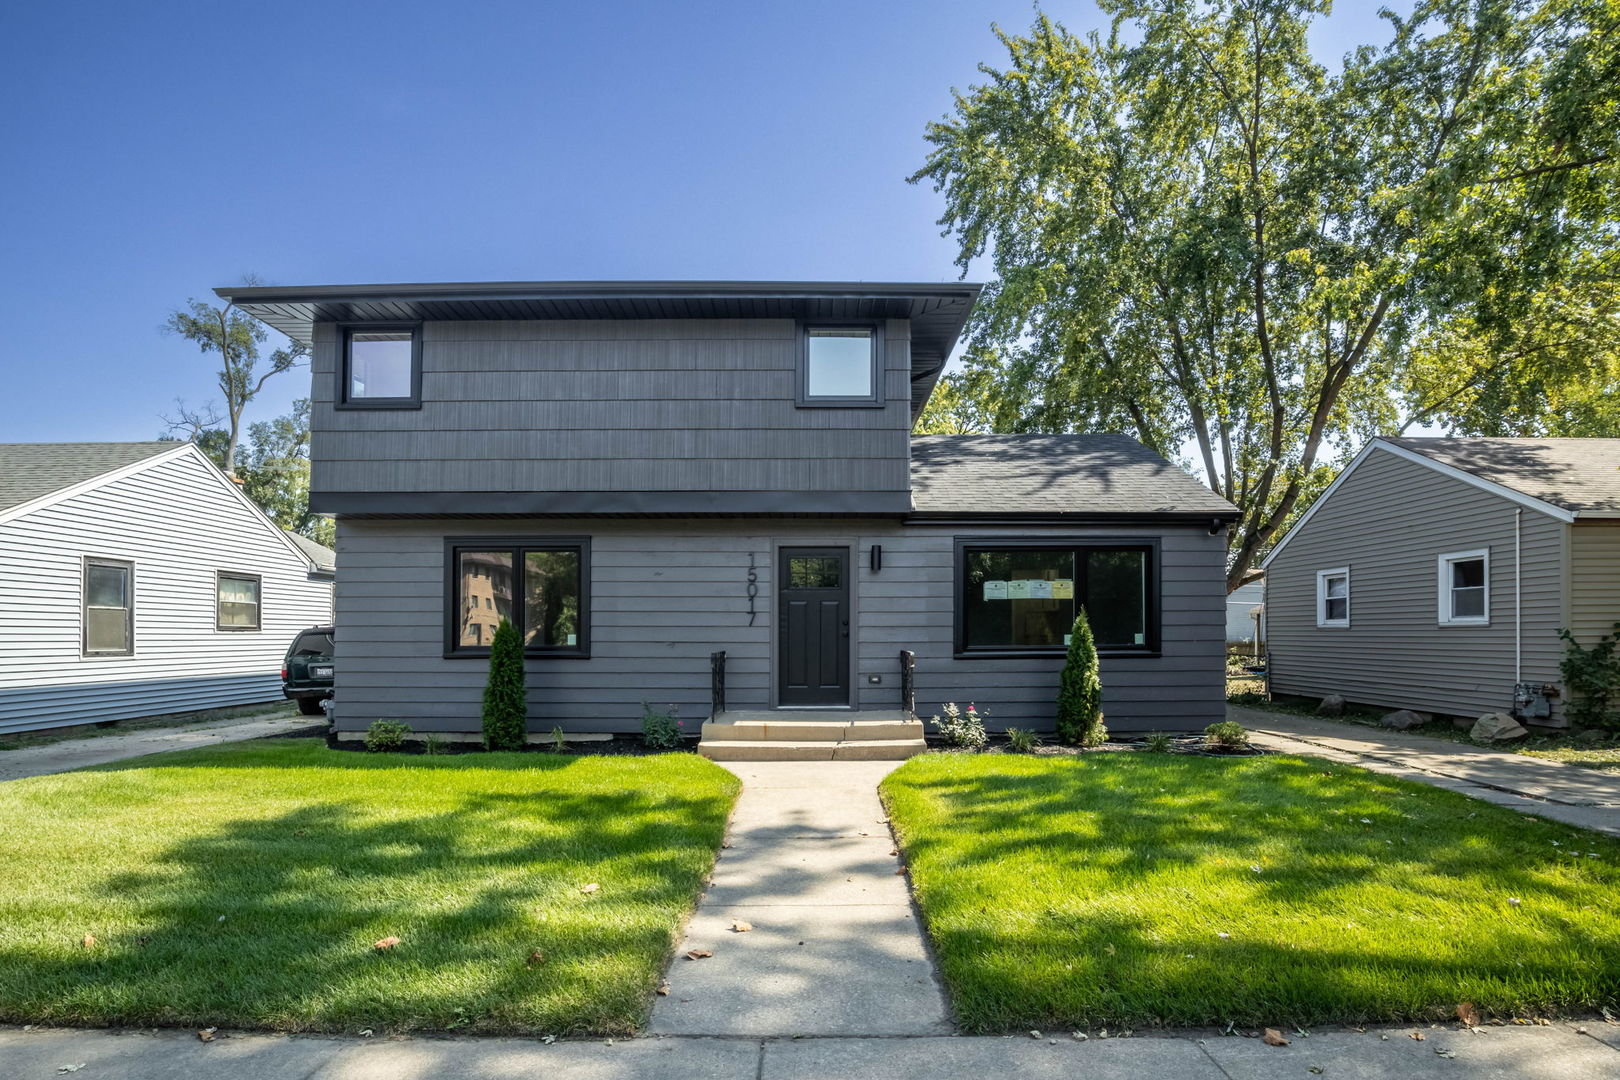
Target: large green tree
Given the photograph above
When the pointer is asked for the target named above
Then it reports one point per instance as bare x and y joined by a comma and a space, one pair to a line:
1204, 236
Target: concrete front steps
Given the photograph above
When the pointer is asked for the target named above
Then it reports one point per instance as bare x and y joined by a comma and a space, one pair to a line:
811, 735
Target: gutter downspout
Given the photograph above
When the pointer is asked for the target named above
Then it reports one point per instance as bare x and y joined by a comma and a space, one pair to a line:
1518, 622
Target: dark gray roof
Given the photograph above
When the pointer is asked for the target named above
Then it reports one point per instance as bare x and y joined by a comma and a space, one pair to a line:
1582, 475
324, 558
31, 470
1082, 475
937, 311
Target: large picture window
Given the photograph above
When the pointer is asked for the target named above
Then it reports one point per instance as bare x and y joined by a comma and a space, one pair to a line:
541, 585
1022, 598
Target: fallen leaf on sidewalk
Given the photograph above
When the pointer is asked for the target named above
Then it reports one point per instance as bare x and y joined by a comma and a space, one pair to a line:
663, 990
1418, 1035
70, 1068
384, 944
741, 926
698, 954
206, 1034
1036, 1035
1273, 1037
1443, 1052
1468, 1014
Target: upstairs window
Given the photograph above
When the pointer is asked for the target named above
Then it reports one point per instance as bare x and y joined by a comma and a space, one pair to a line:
109, 608
840, 367
541, 586
1333, 597
1465, 594
382, 368
1021, 599
237, 601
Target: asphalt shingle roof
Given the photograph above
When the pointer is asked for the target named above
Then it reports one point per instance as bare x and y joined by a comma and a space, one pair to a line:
30, 470
1575, 474
323, 557
1051, 474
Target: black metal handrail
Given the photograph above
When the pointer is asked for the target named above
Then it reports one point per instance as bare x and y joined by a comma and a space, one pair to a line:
717, 683
908, 688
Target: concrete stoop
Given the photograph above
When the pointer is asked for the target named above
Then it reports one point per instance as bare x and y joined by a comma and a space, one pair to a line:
786, 735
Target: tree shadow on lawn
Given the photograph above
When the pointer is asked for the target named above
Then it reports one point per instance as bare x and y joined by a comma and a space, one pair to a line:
270, 921
1095, 892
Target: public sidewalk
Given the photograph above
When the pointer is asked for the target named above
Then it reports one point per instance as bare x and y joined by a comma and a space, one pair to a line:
72, 754
1589, 798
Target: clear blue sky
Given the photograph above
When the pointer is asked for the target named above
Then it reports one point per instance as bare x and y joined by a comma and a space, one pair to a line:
152, 151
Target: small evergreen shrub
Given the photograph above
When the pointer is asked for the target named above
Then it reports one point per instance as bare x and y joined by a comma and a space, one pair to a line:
1022, 741
1226, 735
506, 707
1158, 743
661, 730
386, 735
434, 744
1592, 680
1079, 702
962, 729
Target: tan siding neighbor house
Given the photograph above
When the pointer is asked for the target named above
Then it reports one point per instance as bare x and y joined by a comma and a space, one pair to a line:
1435, 575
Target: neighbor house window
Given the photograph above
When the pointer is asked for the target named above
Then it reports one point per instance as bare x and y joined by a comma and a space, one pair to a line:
1465, 594
1022, 598
382, 368
109, 608
840, 366
236, 601
541, 586
1333, 597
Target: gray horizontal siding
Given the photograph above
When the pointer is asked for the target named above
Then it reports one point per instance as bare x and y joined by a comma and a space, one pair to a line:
1389, 522
665, 595
178, 524
653, 405
1594, 579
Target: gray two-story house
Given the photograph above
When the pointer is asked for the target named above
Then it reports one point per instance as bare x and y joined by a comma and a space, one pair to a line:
707, 494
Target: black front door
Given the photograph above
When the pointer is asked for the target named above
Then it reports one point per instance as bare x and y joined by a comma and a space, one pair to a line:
812, 660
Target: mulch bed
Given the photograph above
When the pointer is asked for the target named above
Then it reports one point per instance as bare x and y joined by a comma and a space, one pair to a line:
618, 746
1180, 744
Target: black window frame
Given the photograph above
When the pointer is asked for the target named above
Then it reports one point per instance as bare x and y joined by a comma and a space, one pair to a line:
258, 601
128, 566
802, 396
517, 545
346, 332
1079, 546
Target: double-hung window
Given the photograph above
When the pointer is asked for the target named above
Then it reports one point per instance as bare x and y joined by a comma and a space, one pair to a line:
1020, 598
236, 601
109, 607
1465, 588
841, 367
541, 585
1333, 597
381, 368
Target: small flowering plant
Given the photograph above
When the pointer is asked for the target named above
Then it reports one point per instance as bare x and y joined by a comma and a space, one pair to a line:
661, 730
962, 729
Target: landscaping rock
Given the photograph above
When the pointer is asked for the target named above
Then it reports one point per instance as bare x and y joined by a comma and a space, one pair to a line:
1332, 705
1496, 727
1402, 719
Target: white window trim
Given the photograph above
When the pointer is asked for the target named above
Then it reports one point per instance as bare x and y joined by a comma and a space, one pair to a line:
1443, 587
1322, 577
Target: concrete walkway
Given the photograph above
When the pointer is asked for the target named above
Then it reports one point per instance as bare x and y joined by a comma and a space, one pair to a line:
1557, 1052
835, 948
1589, 798
72, 754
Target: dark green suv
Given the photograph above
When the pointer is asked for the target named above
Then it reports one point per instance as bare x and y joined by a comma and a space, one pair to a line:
306, 673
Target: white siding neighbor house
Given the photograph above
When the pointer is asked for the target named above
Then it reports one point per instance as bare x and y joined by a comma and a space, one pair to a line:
1436, 574
137, 579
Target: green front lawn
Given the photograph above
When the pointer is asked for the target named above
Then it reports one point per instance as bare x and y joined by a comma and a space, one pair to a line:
1096, 890
246, 885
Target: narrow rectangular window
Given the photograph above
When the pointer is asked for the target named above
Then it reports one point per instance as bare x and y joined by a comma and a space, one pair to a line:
541, 587
109, 608
382, 368
1464, 587
1333, 597
1023, 598
237, 601
840, 366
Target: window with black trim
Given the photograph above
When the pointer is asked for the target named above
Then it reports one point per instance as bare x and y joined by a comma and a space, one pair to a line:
542, 586
382, 367
236, 601
841, 366
1022, 598
109, 607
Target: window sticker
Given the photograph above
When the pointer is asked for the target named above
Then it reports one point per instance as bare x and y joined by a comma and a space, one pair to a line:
1040, 589
995, 590
1019, 589
1063, 589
